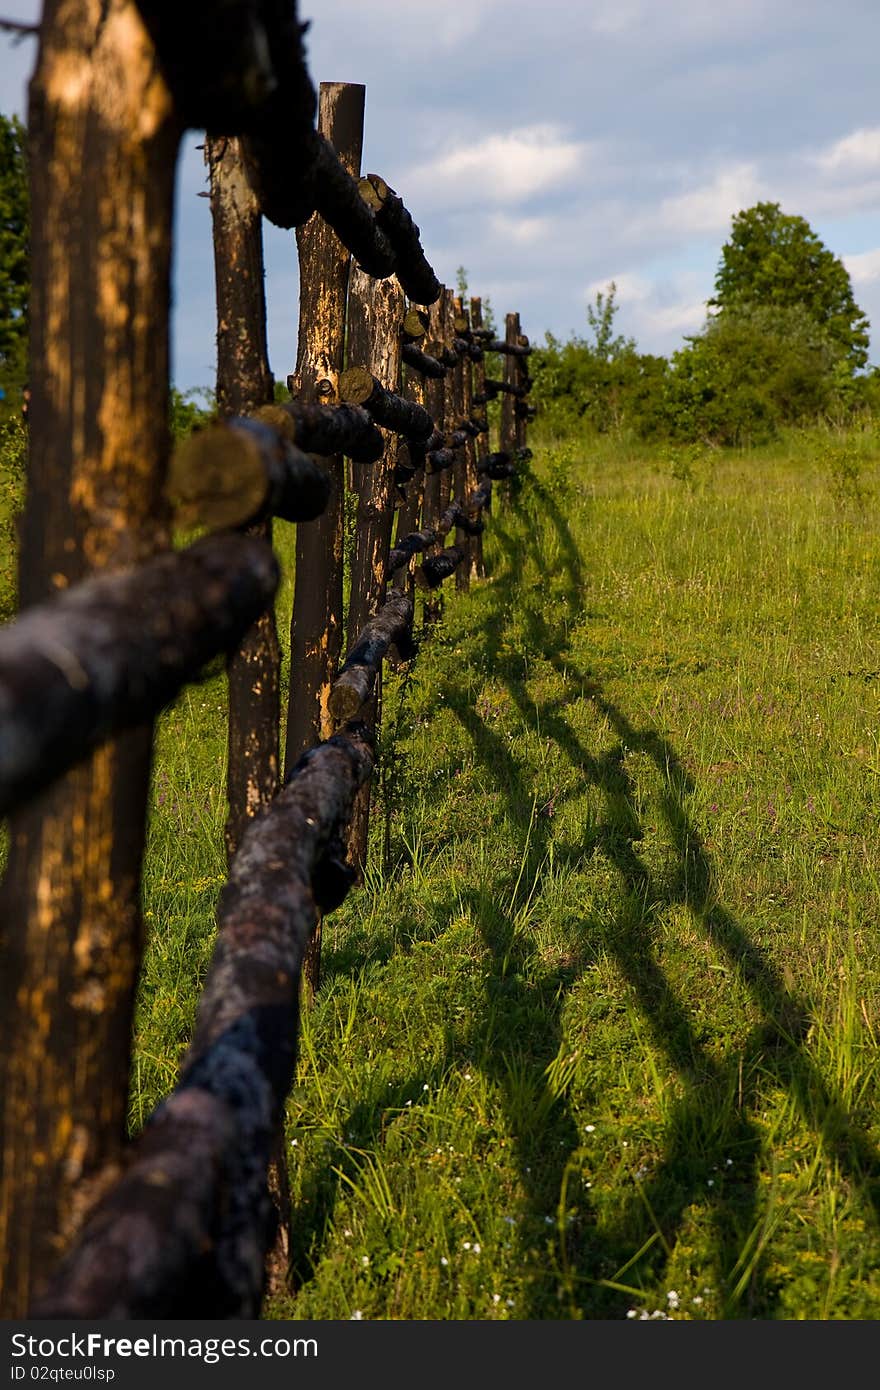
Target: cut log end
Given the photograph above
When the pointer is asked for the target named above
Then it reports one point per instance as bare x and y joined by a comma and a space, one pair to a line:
216, 478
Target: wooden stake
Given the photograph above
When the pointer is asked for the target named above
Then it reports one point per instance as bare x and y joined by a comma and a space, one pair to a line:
103, 147
316, 629
244, 383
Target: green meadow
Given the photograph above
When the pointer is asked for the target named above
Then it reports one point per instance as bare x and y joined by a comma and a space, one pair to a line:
597, 1038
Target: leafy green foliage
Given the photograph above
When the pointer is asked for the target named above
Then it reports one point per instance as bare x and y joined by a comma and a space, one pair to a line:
13, 462
603, 385
776, 260
14, 261
753, 368
188, 414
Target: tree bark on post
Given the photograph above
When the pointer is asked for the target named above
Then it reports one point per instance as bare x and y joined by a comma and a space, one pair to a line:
478, 377
439, 397
452, 394
467, 474
244, 383
103, 142
316, 628
509, 434
375, 315
409, 513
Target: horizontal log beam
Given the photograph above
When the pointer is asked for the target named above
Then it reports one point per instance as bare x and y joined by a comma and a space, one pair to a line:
412, 269
358, 386
328, 429
407, 547
422, 362
507, 349
493, 388
237, 67
110, 652
498, 465
184, 1232
242, 472
338, 200
353, 687
432, 572
465, 348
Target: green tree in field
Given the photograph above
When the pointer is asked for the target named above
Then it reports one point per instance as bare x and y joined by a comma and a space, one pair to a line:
774, 259
14, 267
753, 369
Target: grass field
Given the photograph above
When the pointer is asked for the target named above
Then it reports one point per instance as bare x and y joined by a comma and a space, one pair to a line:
598, 1037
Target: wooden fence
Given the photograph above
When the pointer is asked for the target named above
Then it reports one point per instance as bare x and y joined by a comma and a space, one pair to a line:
388, 397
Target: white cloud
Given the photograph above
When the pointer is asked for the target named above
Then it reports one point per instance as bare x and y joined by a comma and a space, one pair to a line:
522, 231
508, 167
856, 153
864, 268
709, 209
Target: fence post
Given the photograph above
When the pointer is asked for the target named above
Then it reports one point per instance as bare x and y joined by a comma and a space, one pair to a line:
479, 389
103, 142
375, 318
244, 383
317, 622
438, 402
316, 627
467, 472
509, 434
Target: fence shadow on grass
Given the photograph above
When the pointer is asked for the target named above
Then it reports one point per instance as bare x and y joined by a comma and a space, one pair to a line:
712, 1119
520, 1031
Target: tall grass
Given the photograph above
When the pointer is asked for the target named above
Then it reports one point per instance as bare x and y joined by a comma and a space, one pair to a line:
598, 1037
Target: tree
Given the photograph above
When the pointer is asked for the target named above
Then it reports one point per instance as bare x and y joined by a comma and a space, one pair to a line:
14, 267
600, 317
777, 260
753, 368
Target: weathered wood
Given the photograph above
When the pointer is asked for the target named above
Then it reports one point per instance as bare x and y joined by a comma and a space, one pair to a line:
451, 394
317, 623
465, 538
507, 434
414, 325
518, 347
496, 465
338, 200
375, 313
237, 67
240, 473
478, 386
411, 457
327, 429
413, 271
353, 687
405, 547
463, 347
112, 650
185, 1231
439, 460
295, 488
523, 411
432, 572
103, 138
422, 362
492, 389
359, 386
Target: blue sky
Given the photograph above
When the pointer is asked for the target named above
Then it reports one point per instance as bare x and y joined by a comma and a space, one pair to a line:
552, 148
